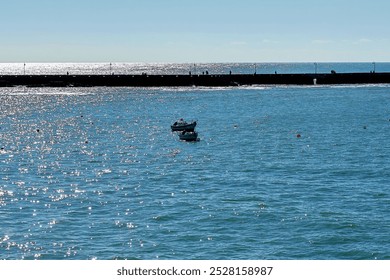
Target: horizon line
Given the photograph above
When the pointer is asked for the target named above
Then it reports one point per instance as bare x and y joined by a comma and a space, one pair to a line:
209, 62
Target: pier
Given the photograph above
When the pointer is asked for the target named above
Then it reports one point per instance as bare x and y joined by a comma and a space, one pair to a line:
224, 80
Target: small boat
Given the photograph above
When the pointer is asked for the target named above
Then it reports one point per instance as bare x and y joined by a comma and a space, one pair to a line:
182, 125
189, 136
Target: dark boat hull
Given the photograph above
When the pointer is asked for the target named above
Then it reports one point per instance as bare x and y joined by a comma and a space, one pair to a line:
189, 136
186, 127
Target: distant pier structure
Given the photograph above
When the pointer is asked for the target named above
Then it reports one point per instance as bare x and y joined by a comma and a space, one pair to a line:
189, 80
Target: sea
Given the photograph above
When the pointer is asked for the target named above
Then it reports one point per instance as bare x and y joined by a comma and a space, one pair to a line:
278, 173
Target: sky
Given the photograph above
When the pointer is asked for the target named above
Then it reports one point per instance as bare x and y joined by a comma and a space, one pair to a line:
194, 31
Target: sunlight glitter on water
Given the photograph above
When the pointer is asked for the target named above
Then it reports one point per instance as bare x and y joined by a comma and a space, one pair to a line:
97, 173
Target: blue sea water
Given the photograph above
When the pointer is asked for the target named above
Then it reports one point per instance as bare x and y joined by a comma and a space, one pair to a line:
96, 173
185, 68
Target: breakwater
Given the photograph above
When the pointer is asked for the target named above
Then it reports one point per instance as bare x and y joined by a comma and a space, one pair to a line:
145, 80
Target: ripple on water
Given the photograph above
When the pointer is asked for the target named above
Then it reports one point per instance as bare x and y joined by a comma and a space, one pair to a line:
97, 174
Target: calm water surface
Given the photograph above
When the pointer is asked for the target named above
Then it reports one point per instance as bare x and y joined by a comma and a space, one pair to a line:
96, 173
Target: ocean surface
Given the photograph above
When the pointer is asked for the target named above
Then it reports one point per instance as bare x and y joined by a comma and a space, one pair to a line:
280, 172
185, 68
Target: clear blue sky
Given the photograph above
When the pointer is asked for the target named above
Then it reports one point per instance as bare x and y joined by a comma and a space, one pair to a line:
194, 31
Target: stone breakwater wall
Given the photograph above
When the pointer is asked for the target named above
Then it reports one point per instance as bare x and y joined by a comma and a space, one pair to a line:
191, 80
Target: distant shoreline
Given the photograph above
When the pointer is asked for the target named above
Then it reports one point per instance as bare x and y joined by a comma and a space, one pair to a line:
206, 80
